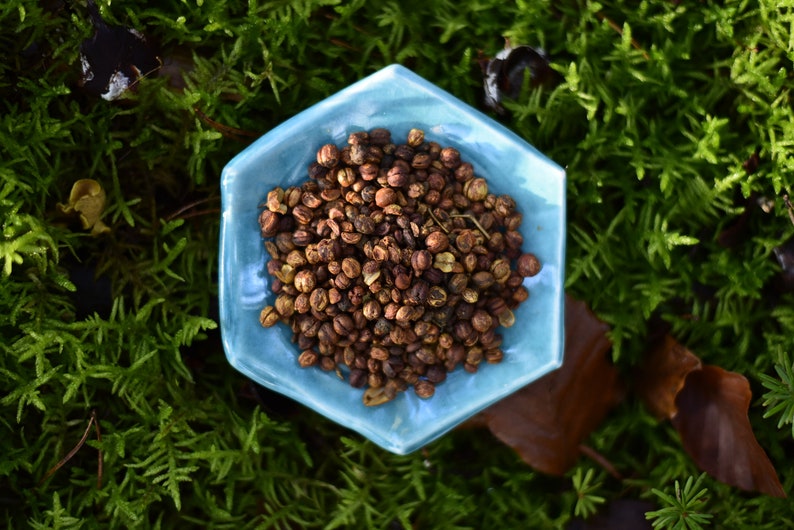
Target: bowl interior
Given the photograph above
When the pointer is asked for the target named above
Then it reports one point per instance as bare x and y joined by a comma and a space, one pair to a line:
399, 100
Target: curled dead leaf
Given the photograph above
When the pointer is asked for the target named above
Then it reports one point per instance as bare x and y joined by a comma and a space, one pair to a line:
546, 421
662, 376
712, 420
87, 199
708, 407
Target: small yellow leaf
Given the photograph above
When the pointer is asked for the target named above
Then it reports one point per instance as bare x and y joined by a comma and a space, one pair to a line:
87, 199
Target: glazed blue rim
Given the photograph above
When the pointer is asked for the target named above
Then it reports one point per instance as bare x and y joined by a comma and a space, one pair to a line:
292, 128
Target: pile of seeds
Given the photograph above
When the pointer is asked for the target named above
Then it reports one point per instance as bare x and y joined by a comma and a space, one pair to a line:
395, 261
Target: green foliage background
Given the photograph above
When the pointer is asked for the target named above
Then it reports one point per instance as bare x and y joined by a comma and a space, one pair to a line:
659, 106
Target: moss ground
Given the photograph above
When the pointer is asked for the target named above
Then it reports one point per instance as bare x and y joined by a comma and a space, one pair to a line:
673, 119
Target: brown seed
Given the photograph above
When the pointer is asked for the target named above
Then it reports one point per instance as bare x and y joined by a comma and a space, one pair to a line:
494, 355
358, 154
301, 238
311, 200
285, 305
385, 197
275, 201
371, 310
334, 295
342, 282
507, 318
476, 189
379, 353
483, 280
437, 242
474, 355
370, 272
368, 171
416, 137
520, 295
500, 270
436, 296
364, 224
421, 161
513, 239
327, 363
358, 138
316, 171
504, 205
450, 157
436, 374
302, 304
269, 316
358, 378
328, 156
345, 177
375, 396
380, 136
356, 295
397, 177
305, 281
527, 265
481, 321
296, 258
268, 223
424, 389
318, 299
465, 241
406, 313
421, 260
457, 283
417, 293
351, 268
327, 249
343, 324
307, 358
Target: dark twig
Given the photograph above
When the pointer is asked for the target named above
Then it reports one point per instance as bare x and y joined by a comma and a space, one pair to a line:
225, 130
476, 223
91, 422
619, 30
601, 460
179, 213
430, 211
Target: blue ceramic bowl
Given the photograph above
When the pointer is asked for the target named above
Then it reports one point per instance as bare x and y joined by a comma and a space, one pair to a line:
397, 99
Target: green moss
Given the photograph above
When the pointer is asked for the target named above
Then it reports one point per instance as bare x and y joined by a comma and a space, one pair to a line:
659, 106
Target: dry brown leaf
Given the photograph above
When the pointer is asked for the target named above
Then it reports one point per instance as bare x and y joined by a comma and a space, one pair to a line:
712, 421
547, 420
662, 376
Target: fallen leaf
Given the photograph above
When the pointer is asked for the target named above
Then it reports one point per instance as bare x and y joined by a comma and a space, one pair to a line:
114, 58
716, 432
503, 76
547, 420
621, 514
708, 407
662, 376
87, 199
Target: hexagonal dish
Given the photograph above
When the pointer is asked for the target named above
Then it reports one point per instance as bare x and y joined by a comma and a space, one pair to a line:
396, 99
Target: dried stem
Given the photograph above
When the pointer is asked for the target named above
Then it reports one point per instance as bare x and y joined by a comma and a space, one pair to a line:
92, 422
430, 211
619, 30
476, 223
226, 130
601, 460
183, 209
